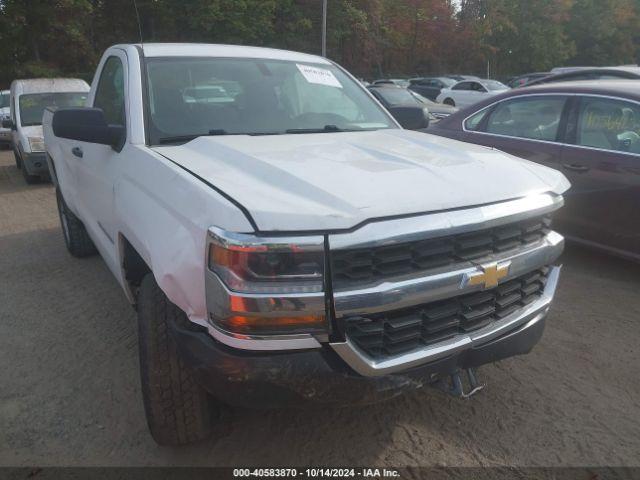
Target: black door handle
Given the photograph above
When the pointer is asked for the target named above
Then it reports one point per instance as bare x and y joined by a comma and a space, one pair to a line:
576, 167
77, 151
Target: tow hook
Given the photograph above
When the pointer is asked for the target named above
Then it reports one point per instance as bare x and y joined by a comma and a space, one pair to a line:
454, 385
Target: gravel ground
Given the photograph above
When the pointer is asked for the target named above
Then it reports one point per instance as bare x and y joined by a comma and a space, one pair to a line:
70, 393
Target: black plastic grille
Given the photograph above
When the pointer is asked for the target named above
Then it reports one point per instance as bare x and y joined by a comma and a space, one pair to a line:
369, 265
394, 333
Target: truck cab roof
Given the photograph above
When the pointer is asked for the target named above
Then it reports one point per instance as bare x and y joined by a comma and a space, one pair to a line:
228, 51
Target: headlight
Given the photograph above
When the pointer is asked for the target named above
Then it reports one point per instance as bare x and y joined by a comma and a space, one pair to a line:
269, 283
246, 263
36, 144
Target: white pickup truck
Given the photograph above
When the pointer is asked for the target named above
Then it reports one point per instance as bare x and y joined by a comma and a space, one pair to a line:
284, 240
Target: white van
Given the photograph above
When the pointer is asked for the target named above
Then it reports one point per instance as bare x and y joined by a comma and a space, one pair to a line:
28, 100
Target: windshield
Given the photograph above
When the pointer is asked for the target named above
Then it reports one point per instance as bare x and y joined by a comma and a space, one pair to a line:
4, 99
32, 105
494, 85
421, 99
396, 96
449, 82
191, 97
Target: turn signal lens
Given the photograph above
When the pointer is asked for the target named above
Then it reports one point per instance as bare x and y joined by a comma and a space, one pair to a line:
273, 325
36, 144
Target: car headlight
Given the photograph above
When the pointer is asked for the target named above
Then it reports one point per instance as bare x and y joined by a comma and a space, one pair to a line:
36, 144
268, 283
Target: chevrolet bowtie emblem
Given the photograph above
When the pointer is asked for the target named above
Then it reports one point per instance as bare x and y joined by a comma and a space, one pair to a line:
489, 276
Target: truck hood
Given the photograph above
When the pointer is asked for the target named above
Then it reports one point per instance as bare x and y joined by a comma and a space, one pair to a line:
330, 181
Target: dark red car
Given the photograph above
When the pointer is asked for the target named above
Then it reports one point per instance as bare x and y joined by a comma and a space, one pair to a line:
588, 130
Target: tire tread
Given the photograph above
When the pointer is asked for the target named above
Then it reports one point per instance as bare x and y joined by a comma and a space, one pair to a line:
179, 411
79, 242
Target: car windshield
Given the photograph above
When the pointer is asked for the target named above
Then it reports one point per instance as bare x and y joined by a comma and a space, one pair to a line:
494, 85
192, 97
4, 99
449, 82
421, 99
32, 105
396, 96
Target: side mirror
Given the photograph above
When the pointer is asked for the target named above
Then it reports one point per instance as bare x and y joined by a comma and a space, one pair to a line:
87, 125
8, 123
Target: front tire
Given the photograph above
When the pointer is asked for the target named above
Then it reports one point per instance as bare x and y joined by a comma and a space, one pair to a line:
29, 179
178, 410
76, 237
449, 101
17, 158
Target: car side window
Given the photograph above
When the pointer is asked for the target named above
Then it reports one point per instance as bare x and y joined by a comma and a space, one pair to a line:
462, 86
473, 122
477, 87
609, 124
537, 118
110, 92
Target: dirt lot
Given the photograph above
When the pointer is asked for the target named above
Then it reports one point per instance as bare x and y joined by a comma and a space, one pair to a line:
70, 394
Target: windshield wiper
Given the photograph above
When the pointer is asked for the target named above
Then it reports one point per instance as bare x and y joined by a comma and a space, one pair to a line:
325, 129
212, 133
329, 129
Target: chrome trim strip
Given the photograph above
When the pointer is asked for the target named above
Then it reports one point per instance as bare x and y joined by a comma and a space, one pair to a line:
424, 289
422, 227
272, 342
309, 243
367, 366
219, 298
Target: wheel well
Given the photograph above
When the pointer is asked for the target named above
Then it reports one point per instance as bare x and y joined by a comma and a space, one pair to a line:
134, 266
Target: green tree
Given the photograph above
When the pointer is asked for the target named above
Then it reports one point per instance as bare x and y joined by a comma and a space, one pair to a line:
604, 32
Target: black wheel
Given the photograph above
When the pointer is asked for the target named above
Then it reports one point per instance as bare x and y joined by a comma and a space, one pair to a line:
449, 101
178, 409
30, 179
76, 237
18, 161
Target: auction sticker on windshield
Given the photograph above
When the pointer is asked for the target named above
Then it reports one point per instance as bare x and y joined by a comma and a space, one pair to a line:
321, 76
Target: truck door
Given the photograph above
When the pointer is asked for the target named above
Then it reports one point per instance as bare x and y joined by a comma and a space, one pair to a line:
97, 164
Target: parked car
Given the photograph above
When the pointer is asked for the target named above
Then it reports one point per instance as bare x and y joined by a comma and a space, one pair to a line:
523, 80
431, 87
612, 73
297, 245
28, 100
437, 111
468, 92
590, 131
5, 133
400, 82
405, 108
